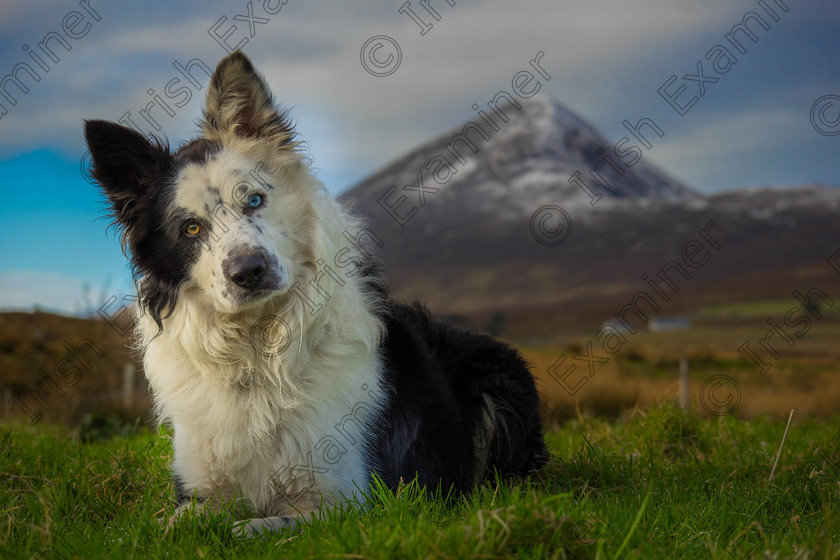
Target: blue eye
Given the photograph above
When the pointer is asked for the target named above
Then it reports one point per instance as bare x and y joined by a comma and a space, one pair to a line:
255, 200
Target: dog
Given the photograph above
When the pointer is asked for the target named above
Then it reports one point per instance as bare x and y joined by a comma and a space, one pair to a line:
289, 377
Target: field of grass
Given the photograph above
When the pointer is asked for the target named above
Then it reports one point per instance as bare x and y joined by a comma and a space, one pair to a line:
661, 483
645, 370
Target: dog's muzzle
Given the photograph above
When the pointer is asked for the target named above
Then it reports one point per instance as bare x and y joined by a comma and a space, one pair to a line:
246, 271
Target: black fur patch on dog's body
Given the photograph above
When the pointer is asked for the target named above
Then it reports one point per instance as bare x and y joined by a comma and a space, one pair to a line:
181, 493
437, 376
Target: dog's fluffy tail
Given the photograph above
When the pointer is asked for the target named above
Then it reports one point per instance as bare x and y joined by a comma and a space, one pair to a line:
509, 438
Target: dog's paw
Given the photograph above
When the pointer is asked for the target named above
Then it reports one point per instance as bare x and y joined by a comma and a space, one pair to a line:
253, 527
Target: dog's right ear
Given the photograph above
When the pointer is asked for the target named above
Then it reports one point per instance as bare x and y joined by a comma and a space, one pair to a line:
126, 165
239, 104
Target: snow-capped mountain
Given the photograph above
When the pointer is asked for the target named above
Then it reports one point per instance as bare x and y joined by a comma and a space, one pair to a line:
528, 160
456, 218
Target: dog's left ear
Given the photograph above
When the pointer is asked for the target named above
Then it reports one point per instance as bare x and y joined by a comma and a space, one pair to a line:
239, 103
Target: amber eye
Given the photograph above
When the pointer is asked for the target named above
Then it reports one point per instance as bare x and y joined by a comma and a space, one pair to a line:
192, 229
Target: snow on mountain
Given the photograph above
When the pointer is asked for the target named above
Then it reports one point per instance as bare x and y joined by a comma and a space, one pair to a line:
529, 160
454, 216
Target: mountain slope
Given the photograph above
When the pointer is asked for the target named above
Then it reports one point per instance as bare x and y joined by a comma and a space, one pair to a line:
466, 247
528, 160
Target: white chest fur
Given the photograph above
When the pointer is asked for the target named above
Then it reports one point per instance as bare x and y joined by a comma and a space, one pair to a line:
280, 440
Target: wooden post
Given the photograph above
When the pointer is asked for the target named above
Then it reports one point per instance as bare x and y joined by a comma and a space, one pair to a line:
128, 384
685, 393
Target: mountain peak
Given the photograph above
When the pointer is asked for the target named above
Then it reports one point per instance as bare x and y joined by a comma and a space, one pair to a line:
509, 160
455, 221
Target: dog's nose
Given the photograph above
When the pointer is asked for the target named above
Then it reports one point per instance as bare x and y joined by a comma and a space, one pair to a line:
246, 271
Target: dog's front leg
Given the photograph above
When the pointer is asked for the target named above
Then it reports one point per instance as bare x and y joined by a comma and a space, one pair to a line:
298, 508
185, 509
232, 507
253, 527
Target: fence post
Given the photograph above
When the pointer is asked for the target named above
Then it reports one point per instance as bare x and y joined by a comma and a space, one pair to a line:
685, 394
129, 371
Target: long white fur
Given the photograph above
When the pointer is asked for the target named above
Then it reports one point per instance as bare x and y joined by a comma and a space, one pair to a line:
244, 418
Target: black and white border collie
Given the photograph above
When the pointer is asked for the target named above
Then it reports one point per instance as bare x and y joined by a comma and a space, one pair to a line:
289, 377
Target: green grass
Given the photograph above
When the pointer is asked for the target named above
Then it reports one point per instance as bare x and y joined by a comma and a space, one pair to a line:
657, 484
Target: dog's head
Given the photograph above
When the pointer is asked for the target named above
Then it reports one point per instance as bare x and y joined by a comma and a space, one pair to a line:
228, 218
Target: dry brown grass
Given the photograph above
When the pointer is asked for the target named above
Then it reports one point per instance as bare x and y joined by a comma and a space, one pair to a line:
645, 371
33, 347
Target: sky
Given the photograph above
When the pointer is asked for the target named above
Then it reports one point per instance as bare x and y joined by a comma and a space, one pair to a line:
367, 81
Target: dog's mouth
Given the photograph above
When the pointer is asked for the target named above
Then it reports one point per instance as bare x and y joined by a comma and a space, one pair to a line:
272, 289
274, 283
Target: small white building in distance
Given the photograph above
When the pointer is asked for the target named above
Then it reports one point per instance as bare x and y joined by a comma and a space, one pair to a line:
661, 324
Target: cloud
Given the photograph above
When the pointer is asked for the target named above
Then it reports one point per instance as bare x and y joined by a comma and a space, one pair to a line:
311, 56
54, 292
697, 154
604, 56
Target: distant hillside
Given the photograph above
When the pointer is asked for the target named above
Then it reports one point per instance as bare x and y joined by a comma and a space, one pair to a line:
468, 249
58, 369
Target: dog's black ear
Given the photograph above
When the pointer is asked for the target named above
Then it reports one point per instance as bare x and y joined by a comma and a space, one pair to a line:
126, 165
239, 103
